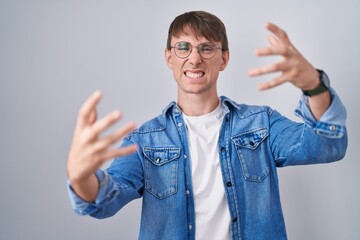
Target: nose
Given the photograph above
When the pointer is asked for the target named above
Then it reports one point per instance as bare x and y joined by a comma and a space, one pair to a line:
194, 57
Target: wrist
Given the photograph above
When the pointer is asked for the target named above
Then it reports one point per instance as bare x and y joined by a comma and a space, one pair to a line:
322, 85
102, 177
314, 83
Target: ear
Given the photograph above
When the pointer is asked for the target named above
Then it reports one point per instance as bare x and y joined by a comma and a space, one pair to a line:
168, 58
225, 60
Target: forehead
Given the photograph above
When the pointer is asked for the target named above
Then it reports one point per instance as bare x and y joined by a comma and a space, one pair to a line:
189, 35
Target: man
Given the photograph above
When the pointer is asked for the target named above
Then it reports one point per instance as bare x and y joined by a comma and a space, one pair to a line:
206, 166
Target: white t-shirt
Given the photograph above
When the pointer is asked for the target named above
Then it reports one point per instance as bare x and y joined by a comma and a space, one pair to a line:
212, 217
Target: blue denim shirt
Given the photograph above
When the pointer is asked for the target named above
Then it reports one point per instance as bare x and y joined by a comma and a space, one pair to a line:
253, 142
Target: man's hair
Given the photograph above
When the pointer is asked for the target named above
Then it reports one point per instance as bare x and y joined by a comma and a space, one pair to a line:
203, 24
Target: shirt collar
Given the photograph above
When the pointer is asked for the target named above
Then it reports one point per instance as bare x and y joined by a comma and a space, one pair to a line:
225, 101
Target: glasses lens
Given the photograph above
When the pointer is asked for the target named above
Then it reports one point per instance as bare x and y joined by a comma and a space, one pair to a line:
182, 49
207, 50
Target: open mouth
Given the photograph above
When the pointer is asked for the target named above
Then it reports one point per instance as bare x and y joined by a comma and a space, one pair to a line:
194, 75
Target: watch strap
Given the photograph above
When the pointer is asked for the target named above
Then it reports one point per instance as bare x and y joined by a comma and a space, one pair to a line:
319, 89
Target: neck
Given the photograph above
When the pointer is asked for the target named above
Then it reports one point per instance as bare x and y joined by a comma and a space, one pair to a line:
198, 104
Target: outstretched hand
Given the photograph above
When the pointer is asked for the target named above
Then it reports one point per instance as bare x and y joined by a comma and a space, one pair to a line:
294, 67
89, 150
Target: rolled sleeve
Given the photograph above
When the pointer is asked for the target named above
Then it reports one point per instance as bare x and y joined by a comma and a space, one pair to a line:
107, 192
332, 122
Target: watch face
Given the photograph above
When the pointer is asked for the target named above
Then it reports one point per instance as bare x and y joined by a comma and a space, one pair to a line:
325, 79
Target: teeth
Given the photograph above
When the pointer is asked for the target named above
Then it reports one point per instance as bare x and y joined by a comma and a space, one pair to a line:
194, 75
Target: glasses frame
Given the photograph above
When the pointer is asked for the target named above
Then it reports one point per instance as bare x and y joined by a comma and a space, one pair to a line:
198, 47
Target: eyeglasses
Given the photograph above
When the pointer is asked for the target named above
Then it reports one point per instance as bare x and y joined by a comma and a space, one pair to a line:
206, 50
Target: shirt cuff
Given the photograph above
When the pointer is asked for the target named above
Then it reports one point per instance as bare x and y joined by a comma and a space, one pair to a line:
107, 192
331, 123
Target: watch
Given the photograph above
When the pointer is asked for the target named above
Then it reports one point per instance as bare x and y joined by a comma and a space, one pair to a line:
323, 86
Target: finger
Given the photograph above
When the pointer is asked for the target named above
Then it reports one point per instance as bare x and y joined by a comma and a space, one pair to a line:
273, 83
278, 32
92, 117
121, 133
268, 51
107, 141
266, 69
86, 114
119, 152
104, 123
273, 40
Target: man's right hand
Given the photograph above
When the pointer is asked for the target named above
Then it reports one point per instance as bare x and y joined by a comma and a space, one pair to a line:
89, 150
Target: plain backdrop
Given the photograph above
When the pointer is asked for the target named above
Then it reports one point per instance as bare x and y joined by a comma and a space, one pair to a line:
53, 54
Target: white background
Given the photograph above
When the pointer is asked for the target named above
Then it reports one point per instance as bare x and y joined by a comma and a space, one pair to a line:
53, 54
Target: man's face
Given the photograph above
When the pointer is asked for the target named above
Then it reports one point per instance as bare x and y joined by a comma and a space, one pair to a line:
195, 75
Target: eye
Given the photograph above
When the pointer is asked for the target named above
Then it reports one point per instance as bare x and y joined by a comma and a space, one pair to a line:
207, 48
183, 46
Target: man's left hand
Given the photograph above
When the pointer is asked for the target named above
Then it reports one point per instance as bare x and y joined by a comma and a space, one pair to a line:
294, 67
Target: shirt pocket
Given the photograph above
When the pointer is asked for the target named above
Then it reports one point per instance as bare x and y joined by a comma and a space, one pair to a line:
251, 150
161, 170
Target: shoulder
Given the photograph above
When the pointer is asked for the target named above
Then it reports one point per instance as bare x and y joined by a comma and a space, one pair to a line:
155, 124
245, 110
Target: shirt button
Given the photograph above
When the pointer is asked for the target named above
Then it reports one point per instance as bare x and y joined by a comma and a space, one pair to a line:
185, 157
187, 192
190, 226
251, 143
332, 128
179, 124
229, 184
234, 219
223, 149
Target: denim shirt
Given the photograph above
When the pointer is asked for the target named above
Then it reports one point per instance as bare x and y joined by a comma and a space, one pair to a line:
253, 142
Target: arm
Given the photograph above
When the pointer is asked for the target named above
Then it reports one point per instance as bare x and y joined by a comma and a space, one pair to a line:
294, 68
89, 150
319, 104
314, 141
